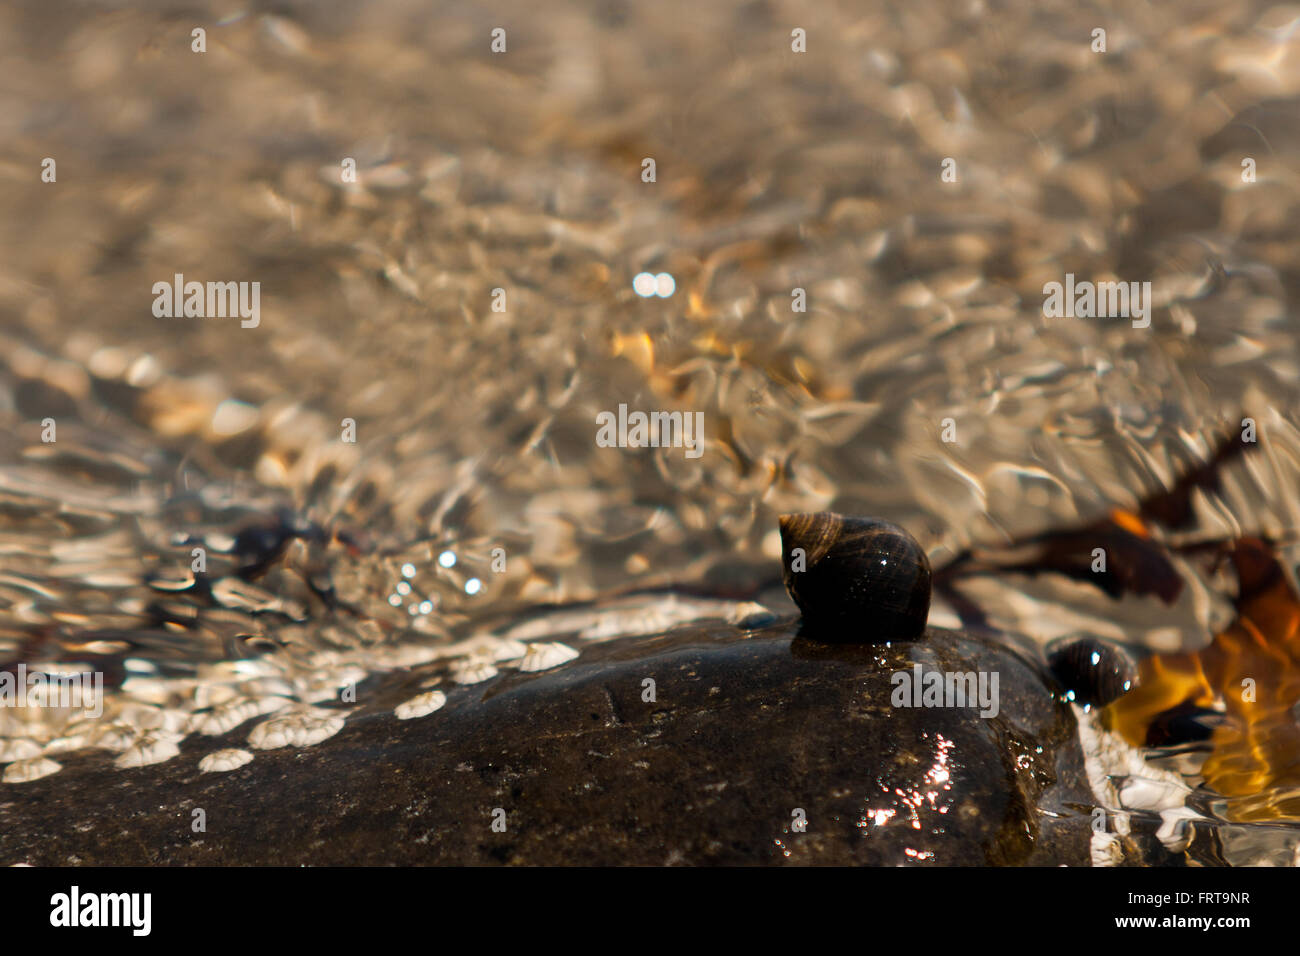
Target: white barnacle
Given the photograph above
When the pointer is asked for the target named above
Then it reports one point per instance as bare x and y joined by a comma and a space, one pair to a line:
18, 748
64, 744
420, 705
21, 771
225, 716
212, 695
116, 737
325, 684
543, 656
508, 649
270, 704
313, 729
473, 670
75, 735
301, 728
270, 734
267, 687
222, 761
146, 717
154, 746
487, 647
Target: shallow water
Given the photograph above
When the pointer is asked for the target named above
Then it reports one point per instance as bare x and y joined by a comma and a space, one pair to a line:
521, 171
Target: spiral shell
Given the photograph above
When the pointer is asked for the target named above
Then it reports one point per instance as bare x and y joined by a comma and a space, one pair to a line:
856, 580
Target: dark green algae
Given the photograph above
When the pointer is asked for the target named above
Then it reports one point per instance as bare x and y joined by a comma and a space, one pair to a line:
745, 728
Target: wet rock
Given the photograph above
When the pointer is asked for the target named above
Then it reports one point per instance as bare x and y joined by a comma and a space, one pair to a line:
740, 735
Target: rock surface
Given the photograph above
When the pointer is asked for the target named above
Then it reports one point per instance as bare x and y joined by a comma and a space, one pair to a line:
746, 728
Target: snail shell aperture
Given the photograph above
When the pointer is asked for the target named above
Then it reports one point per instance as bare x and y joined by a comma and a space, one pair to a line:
857, 580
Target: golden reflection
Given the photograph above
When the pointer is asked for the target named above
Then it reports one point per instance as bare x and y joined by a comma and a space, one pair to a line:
1251, 670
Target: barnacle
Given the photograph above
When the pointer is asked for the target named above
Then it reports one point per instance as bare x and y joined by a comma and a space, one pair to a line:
421, 705
222, 761
545, 655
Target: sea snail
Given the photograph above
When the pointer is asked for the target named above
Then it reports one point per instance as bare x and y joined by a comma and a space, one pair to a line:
856, 580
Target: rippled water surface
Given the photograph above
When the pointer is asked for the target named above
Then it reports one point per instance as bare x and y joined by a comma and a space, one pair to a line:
475, 487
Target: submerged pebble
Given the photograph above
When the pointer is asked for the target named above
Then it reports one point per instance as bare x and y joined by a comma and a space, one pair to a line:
1091, 672
750, 615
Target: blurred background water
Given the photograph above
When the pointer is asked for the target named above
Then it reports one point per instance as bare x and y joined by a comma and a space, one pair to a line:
522, 171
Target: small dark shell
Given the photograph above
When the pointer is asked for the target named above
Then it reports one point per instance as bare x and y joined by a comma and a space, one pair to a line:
863, 580
1091, 671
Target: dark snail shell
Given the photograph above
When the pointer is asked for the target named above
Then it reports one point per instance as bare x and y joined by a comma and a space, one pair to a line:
1091, 671
863, 580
